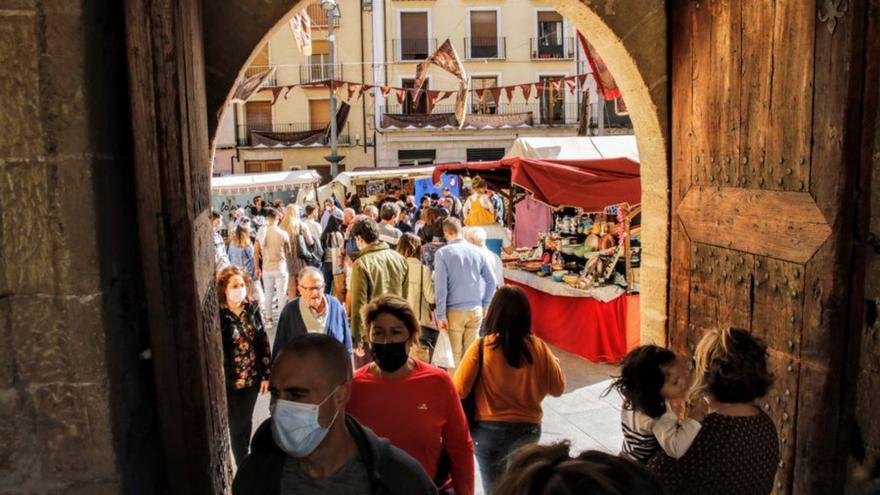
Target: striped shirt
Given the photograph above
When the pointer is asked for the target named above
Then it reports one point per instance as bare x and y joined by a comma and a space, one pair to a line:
644, 436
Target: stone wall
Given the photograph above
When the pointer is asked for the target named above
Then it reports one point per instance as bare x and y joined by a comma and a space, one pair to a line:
77, 413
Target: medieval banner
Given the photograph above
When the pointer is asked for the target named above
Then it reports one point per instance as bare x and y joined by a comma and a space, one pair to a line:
251, 85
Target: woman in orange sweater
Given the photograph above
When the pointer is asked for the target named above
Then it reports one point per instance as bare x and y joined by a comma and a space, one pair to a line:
518, 371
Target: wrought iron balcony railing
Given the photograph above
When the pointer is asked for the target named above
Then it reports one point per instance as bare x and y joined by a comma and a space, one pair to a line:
550, 49
414, 49
485, 48
289, 134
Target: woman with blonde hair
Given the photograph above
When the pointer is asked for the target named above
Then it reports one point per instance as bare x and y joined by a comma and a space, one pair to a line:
421, 285
247, 359
737, 449
479, 208
304, 248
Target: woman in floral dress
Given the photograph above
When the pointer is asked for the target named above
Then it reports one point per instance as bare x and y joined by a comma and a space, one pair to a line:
247, 358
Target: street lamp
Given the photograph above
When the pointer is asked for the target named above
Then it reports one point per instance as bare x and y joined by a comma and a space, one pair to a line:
332, 10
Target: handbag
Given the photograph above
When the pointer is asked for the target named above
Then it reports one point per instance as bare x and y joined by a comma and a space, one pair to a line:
469, 403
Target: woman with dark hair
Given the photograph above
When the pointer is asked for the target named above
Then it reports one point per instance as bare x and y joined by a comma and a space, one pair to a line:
516, 371
737, 449
551, 470
332, 240
412, 404
247, 360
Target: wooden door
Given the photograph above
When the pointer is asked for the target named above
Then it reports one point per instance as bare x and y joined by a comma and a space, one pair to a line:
768, 110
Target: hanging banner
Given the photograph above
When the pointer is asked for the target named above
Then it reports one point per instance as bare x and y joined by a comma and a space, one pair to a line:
416, 95
251, 85
446, 58
461, 104
301, 24
604, 80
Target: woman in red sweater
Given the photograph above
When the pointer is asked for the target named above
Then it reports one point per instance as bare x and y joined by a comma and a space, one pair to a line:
413, 404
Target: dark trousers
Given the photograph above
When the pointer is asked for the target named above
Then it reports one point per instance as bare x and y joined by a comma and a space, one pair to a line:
494, 441
240, 409
327, 270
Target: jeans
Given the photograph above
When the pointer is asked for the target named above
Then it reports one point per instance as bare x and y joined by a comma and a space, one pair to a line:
494, 441
275, 285
327, 270
240, 408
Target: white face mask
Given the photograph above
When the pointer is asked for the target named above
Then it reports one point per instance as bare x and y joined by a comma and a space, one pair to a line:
295, 426
236, 296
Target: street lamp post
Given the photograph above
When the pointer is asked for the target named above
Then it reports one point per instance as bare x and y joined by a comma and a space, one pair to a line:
332, 10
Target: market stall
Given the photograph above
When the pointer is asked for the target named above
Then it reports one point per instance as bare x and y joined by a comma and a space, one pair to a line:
581, 274
237, 191
373, 184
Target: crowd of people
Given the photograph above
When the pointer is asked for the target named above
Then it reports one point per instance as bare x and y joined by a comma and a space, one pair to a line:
358, 301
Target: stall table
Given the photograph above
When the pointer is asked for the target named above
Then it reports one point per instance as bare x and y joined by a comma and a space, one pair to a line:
599, 324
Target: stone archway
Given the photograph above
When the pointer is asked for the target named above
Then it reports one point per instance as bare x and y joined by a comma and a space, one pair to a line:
630, 35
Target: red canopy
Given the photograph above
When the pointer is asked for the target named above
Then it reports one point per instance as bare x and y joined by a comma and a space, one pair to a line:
588, 184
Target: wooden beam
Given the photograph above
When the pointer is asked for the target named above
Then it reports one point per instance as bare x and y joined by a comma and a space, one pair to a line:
783, 225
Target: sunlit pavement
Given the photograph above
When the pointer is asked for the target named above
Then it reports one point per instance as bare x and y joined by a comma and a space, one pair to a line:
581, 415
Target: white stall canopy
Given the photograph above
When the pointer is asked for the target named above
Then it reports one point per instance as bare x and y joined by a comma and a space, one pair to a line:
349, 179
575, 148
264, 182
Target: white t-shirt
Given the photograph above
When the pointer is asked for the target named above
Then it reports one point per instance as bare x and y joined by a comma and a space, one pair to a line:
272, 249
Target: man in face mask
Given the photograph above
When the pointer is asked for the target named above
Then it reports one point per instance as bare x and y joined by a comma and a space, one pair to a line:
310, 446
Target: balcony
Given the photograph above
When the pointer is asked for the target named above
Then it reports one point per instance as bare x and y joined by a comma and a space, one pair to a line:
413, 49
319, 17
493, 116
288, 135
258, 69
545, 49
315, 73
479, 48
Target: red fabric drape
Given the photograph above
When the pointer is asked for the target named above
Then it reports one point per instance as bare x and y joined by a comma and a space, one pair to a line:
584, 326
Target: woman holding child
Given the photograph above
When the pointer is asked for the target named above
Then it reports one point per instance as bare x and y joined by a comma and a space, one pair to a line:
731, 447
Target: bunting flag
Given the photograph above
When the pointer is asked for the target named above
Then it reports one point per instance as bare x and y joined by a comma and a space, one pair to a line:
480, 93
496, 95
509, 91
556, 85
401, 95
583, 81
604, 80
251, 85
571, 84
385, 90
365, 88
301, 24
431, 98
526, 90
446, 94
444, 57
352, 88
275, 92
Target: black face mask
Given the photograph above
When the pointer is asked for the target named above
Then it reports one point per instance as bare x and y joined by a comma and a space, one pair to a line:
389, 357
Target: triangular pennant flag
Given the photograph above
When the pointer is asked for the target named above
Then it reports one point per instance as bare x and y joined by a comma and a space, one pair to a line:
287, 93
496, 95
352, 88
445, 94
526, 90
385, 90
275, 92
555, 85
583, 80
509, 91
365, 88
401, 95
569, 81
431, 99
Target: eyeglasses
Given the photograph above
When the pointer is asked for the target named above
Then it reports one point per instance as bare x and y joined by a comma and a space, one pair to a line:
312, 289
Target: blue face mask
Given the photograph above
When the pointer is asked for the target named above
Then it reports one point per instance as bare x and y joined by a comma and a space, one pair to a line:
295, 426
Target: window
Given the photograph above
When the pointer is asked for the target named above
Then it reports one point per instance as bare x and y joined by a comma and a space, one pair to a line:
484, 154
258, 115
413, 157
487, 103
552, 101
550, 30
257, 166
483, 42
413, 42
408, 106
319, 113
318, 68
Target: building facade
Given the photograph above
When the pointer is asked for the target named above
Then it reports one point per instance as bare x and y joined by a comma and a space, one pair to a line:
498, 47
287, 130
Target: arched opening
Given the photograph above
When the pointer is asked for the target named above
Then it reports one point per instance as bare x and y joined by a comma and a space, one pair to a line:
636, 55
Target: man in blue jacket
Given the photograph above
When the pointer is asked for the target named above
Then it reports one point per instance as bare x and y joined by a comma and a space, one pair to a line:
312, 312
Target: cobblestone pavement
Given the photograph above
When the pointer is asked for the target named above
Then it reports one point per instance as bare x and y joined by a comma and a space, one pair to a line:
581, 415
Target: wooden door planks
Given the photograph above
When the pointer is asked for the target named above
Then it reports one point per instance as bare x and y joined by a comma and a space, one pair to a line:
777, 224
